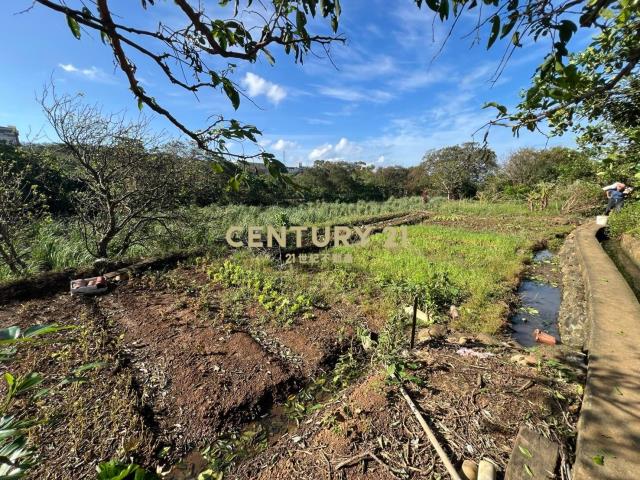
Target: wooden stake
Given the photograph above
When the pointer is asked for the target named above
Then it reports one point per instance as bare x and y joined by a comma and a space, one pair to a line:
430, 435
413, 324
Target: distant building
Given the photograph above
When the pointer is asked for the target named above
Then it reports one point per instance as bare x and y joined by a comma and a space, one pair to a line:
9, 135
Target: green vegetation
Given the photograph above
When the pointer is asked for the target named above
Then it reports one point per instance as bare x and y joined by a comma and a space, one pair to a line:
627, 220
446, 266
267, 290
55, 244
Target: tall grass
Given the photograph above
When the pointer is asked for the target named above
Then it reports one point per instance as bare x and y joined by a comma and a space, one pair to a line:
57, 244
475, 207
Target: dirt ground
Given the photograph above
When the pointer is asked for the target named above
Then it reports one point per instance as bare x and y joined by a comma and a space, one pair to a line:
180, 366
476, 406
175, 374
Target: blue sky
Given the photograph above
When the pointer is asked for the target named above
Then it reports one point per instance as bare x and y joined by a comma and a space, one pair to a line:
386, 101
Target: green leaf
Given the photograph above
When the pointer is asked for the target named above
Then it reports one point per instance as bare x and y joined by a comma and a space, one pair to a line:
525, 451
36, 330
89, 366
495, 30
443, 10
599, 460
234, 183
140, 103
270, 58
566, 29
216, 167
73, 26
528, 470
10, 333
301, 21
231, 92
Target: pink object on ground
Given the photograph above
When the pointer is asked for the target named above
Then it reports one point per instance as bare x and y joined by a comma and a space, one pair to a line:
543, 337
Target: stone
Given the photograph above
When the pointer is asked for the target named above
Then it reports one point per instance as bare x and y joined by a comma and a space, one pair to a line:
486, 470
463, 341
524, 360
420, 315
538, 453
437, 331
453, 312
470, 470
431, 333
486, 339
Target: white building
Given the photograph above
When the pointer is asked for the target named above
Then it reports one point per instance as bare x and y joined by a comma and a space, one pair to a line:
9, 135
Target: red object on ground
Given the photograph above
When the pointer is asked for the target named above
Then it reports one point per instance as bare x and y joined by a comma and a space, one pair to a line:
543, 337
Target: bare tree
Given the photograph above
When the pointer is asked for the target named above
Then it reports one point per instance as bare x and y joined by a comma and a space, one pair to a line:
129, 184
20, 205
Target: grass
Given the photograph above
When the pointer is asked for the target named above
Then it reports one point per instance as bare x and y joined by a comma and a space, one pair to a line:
449, 265
57, 244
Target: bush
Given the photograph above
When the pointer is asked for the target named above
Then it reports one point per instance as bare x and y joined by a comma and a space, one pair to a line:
626, 220
581, 197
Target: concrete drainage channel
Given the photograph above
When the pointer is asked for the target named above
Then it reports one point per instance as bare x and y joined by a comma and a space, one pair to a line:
608, 443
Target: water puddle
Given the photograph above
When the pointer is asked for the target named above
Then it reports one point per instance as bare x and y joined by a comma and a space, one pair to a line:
540, 303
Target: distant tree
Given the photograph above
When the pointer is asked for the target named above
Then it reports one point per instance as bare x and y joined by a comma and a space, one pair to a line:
392, 181
339, 181
129, 186
527, 166
569, 164
417, 180
459, 171
20, 205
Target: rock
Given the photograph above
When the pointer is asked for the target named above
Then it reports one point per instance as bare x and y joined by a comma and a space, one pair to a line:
437, 331
524, 360
431, 333
486, 470
463, 341
470, 470
453, 312
486, 339
420, 315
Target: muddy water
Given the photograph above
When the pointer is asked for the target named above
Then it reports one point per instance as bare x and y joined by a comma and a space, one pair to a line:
540, 303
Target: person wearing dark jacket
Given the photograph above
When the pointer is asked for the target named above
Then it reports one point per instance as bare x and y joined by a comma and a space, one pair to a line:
616, 194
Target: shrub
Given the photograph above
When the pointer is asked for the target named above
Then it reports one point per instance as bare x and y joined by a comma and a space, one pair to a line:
626, 220
580, 197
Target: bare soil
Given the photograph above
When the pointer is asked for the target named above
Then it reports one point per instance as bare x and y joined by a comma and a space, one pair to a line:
177, 375
475, 406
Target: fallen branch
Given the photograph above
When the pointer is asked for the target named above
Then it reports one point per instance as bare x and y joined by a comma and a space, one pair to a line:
364, 456
430, 435
354, 460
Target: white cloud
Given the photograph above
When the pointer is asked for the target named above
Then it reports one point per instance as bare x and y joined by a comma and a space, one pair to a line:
257, 86
380, 159
341, 145
344, 150
91, 73
356, 95
319, 152
281, 145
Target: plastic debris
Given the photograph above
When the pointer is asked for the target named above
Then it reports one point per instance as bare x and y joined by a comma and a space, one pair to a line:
469, 352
